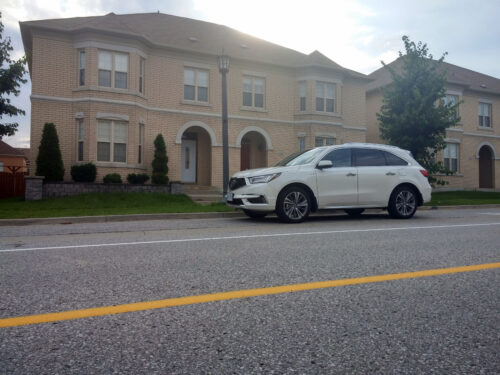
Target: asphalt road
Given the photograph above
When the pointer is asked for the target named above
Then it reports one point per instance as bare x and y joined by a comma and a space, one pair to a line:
445, 324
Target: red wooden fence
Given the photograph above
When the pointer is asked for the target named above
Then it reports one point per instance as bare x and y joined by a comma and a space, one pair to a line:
12, 184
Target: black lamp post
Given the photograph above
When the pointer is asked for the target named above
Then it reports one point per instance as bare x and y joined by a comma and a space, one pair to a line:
223, 62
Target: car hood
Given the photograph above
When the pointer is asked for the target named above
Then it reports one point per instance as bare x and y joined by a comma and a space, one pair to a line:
262, 171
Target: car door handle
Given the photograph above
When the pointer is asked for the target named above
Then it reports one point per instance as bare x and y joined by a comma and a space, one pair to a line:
390, 174
350, 174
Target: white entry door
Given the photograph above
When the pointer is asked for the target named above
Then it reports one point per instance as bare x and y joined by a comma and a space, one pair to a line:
188, 160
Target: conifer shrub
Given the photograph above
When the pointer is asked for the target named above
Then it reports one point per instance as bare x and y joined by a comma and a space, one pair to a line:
160, 162
49, 161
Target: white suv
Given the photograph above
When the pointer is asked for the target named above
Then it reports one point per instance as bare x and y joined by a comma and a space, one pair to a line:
351, 177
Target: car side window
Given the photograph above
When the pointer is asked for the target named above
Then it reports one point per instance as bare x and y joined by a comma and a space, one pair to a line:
339, 158
366, 157
392, 159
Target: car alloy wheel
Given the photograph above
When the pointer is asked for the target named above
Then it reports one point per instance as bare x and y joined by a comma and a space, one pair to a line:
293, 205
403, 203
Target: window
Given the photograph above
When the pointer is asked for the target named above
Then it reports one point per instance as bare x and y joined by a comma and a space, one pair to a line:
365, 157
325, 97
82, 62
112, 141
302, 143
452, 100
451, 157
485, 115
253, 92
302, 96
80, 131
113, 69
392, 159
196, 85
340, 158
324, 141
142, 67
141, 140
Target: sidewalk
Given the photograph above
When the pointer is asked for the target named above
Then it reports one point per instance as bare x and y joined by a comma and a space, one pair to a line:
180, 216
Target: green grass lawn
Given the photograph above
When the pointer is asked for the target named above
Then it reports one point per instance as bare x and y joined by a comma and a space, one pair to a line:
103, 204
149, 203
459, 198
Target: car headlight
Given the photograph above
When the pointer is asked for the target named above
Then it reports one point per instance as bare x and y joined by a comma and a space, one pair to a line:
263, 179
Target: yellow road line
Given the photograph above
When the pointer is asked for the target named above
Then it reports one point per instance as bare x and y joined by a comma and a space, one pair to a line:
158, 304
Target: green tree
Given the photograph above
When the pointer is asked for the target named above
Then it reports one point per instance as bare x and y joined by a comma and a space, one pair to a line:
49, 161
160, 162
414, 115
11, 76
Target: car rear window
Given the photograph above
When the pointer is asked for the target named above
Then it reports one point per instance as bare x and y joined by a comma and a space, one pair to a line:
392, 159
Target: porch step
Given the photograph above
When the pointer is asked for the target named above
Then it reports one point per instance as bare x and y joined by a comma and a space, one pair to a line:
203, 194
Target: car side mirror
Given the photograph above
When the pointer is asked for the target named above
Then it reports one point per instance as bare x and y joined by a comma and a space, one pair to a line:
324, 164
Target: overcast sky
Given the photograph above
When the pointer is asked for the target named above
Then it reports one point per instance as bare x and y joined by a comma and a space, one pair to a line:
356, 34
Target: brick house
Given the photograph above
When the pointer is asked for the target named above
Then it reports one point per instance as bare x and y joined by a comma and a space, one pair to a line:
111, 83
12, 160
473, 146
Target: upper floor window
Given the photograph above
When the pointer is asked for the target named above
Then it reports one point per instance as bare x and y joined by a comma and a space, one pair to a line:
81, 71
113, 69
451, 157
112, 139
253, 92
452, 100
80, 134
324, 141
142, 69
325, 97
302, 96
196, 85
485, 115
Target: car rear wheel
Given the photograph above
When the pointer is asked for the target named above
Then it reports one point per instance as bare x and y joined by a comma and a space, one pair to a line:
403, 203
255, 214
354, 211
293, 205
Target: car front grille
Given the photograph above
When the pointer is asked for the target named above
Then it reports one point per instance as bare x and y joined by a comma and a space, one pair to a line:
236, 183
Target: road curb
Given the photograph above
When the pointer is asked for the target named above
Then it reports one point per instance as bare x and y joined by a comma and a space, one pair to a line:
117, 218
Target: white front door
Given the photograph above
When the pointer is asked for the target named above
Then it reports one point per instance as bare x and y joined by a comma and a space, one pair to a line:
188, 160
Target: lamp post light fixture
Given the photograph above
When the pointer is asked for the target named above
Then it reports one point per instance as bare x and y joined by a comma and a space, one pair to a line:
223, 62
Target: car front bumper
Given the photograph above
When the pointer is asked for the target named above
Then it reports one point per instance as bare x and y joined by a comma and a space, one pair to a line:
258, 197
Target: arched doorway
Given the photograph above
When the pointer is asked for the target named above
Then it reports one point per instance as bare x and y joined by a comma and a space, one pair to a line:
196, 156
486, 171
253, 153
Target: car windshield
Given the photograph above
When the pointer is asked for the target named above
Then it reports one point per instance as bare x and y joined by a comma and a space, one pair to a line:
300, 158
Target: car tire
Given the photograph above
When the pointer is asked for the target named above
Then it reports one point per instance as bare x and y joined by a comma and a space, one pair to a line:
255, 214
354, 211
403, 202
294, 204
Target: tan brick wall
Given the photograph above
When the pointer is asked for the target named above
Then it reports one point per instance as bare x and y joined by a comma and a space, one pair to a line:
469, 135
58, 98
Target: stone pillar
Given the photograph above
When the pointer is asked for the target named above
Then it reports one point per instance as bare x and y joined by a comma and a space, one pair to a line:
34, 188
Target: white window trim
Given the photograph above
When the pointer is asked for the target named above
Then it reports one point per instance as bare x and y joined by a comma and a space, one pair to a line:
80, 122
113, 70
195, 100
457, 145
335, 99
80, 68
253, 106
111, 142
490, 104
